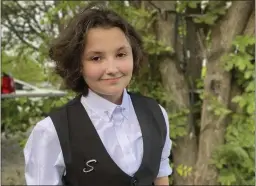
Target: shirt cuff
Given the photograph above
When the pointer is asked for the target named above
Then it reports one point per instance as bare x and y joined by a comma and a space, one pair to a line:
165, 169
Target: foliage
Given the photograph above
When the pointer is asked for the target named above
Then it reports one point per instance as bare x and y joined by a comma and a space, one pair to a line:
211, 11
20, 114
25, 70
26, 39
184, 170
235, 159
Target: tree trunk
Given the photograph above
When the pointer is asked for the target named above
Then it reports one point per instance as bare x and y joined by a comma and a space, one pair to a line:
217, 85
178, 83
175, 79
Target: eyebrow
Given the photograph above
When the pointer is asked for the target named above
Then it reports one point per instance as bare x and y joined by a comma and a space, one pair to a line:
100, 52
123, 47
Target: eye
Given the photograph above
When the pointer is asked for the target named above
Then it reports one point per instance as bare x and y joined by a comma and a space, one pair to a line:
96, 58
121, 55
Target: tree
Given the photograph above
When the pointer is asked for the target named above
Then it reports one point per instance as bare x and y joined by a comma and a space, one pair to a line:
28, 28
210, 106
195, 149
217, 87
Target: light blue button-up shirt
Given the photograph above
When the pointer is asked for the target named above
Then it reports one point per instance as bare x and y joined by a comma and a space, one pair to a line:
119, 131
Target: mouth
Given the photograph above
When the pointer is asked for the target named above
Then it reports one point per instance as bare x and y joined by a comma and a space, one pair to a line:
112, 79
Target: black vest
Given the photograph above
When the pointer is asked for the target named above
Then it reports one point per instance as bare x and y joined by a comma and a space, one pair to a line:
80, 142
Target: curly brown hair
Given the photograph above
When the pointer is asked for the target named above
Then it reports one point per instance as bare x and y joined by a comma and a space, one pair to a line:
67, 49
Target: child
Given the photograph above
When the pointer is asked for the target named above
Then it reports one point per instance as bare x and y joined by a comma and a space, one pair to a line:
104, 136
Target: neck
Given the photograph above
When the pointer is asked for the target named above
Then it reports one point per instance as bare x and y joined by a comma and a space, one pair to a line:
116, 99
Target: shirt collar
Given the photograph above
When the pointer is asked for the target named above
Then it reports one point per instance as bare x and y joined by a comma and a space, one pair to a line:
103, 107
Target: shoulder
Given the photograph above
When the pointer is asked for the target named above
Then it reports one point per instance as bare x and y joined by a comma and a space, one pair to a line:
150, 100
164, 112
45, 126
158, 110
139, 96
42, 145
59, 111
42, 134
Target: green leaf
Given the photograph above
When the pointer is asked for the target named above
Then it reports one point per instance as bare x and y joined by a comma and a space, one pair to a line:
248, 74
210, 19
243, 41
250, 87
240, 152
197, 20
241, 64
179, 170
226, 177
229, 66
250, 109
236, 99
193, 4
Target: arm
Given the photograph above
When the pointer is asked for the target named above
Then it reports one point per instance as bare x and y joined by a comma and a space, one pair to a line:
44, 163
165, 169
162, 181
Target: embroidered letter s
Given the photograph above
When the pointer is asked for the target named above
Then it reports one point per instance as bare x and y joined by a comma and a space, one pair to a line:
89, 166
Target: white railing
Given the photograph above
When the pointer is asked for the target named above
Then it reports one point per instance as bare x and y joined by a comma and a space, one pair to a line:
32, 95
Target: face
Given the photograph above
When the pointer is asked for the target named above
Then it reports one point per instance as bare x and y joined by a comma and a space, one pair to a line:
107, 61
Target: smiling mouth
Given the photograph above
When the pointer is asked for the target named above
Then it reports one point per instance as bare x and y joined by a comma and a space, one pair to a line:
112, 79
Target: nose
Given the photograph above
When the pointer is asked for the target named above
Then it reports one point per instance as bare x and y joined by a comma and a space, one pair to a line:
111, 66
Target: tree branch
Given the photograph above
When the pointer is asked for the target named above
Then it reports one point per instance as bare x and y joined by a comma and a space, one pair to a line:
250, 27
12, 28
30, 17
232, 23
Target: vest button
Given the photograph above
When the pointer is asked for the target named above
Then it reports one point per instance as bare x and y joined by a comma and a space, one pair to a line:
134, 181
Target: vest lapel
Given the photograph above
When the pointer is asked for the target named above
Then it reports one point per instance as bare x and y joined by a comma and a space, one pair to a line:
146, 121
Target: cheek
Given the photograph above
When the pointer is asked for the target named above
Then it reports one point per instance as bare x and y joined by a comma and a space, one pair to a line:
127, 66
91, 72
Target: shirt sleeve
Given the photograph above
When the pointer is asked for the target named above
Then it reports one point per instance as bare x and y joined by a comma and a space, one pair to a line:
44, 164
165, 169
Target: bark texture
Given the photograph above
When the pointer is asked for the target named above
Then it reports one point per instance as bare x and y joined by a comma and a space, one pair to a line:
217, 85
175, 78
